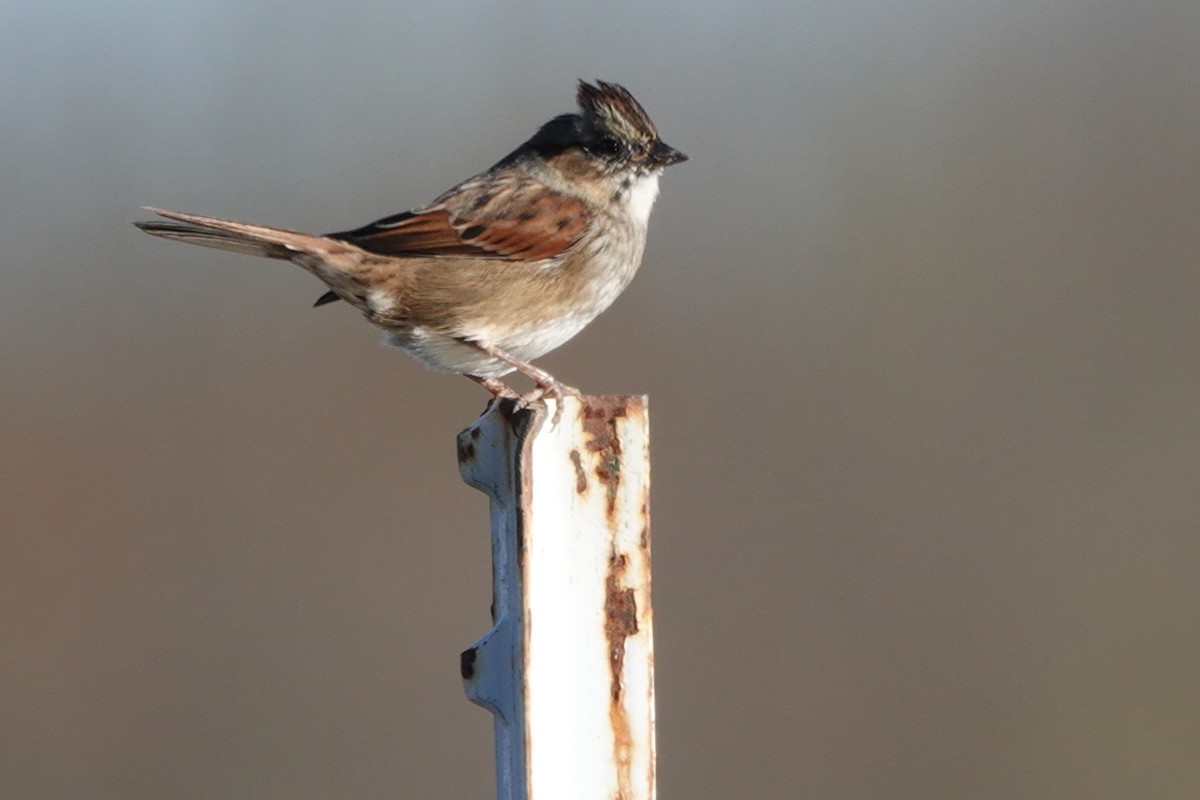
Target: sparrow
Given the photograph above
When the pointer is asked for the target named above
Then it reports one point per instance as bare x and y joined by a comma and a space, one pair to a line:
502, 268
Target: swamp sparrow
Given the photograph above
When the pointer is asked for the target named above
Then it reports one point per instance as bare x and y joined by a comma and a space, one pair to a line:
502, 268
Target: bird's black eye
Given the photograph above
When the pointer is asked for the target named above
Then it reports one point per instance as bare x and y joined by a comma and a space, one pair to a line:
609, 147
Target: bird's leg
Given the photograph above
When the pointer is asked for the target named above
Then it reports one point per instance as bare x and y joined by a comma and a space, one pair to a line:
497, 388
545, 384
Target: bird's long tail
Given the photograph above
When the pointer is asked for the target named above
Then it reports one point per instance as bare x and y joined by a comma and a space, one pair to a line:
338, 264
239, 237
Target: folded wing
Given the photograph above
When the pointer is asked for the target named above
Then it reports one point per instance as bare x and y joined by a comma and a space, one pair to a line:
501, 215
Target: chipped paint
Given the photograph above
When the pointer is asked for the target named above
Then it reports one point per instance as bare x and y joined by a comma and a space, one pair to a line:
581, 481
620, 607
599, 421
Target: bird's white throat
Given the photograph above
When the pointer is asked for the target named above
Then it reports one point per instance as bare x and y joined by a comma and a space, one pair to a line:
640, 196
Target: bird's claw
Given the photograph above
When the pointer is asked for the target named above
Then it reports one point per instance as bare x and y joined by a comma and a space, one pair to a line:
555, 390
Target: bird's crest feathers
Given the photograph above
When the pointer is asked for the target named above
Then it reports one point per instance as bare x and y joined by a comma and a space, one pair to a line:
611, 107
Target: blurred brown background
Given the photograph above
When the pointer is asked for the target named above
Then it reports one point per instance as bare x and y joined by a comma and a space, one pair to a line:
918, 322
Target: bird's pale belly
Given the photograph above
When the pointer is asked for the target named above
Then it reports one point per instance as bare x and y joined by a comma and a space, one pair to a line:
443, 352
519, 332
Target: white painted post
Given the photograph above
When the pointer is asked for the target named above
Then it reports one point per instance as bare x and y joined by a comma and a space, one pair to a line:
568, 666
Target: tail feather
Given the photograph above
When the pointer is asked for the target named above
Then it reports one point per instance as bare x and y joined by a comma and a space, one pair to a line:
238, 237
338, 264
220, 240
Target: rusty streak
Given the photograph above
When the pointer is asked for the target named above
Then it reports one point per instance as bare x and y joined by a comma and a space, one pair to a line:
580, 476
620, 618
620, 622
600, 415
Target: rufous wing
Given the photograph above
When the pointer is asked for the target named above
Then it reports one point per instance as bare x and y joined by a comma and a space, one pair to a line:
502, 215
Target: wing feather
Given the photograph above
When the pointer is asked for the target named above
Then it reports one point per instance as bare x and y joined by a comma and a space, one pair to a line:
504, 215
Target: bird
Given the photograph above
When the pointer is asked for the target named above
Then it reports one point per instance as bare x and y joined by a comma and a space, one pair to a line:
502, 268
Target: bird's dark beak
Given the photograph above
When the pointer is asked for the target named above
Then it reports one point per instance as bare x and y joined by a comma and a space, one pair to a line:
663, 155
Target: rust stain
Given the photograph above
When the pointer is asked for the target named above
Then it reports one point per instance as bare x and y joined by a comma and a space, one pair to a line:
620, 622
620, 617
523, 426
599, 421
581, 484
644, 540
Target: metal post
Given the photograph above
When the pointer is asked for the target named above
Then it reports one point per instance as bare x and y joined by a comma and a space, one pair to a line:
568, 666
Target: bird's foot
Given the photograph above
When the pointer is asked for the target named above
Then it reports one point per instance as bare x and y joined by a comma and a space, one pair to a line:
553, 389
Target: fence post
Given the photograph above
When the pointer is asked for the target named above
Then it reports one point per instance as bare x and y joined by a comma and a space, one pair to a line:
568, 666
